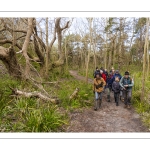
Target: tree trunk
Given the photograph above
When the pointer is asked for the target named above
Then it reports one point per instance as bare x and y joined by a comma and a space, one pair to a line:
59, 30
120, 45
88, 55
8, 57
47, 53
94, 49
25, 47
114, 50
148, 48
114, 54
110, 58
110, 53
66, 54
106, 46
145, 60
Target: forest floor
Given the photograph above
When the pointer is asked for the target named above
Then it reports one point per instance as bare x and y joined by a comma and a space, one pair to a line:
109, 118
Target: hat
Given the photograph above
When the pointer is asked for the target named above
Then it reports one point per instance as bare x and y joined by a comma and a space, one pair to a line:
126, 73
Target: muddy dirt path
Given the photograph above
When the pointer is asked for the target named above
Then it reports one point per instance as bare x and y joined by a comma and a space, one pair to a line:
110, 118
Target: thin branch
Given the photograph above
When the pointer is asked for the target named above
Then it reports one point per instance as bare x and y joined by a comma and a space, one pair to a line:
66, 26
9, 41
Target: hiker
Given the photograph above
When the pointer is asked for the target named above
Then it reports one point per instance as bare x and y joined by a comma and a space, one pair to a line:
122, 98
126, 83
109, 86
117, 74
102, 74
112, 71
98, 87
102, 69
116, 88
106, 73
97, 71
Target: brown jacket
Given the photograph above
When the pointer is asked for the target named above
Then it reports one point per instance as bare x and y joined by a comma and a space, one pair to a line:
96, 82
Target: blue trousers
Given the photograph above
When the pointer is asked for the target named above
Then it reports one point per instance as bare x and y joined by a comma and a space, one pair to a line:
98, 95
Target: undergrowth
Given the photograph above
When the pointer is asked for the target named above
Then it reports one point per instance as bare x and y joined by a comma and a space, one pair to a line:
19, 114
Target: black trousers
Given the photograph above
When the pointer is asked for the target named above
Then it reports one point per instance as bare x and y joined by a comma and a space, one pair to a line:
116, 97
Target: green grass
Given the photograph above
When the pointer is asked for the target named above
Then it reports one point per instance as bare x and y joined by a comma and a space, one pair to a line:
27, 114
84, 98
141, 106
18, 114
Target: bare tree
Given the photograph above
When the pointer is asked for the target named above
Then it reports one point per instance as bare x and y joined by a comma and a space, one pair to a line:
145, 59
25, 47
106, 45
59, 30
88, 54
47, 49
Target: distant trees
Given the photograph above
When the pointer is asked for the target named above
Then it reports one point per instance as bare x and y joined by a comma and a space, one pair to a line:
42, 44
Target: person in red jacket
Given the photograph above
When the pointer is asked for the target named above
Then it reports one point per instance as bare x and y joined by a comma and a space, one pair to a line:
102, 74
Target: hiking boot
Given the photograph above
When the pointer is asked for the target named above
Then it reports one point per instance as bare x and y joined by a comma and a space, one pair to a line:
95, 109
96, 105
129, 107
100, 102
125, 106
122, 99
117, 104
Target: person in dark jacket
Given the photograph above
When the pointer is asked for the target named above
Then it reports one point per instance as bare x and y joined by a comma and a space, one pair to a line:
126, 83
116, 88
97, 71
106, 73
109, 86
117, 74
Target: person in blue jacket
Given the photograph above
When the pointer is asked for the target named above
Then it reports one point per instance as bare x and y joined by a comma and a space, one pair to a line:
117, 74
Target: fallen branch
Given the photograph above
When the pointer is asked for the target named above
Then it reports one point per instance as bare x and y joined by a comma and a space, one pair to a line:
35, 94
74, 94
